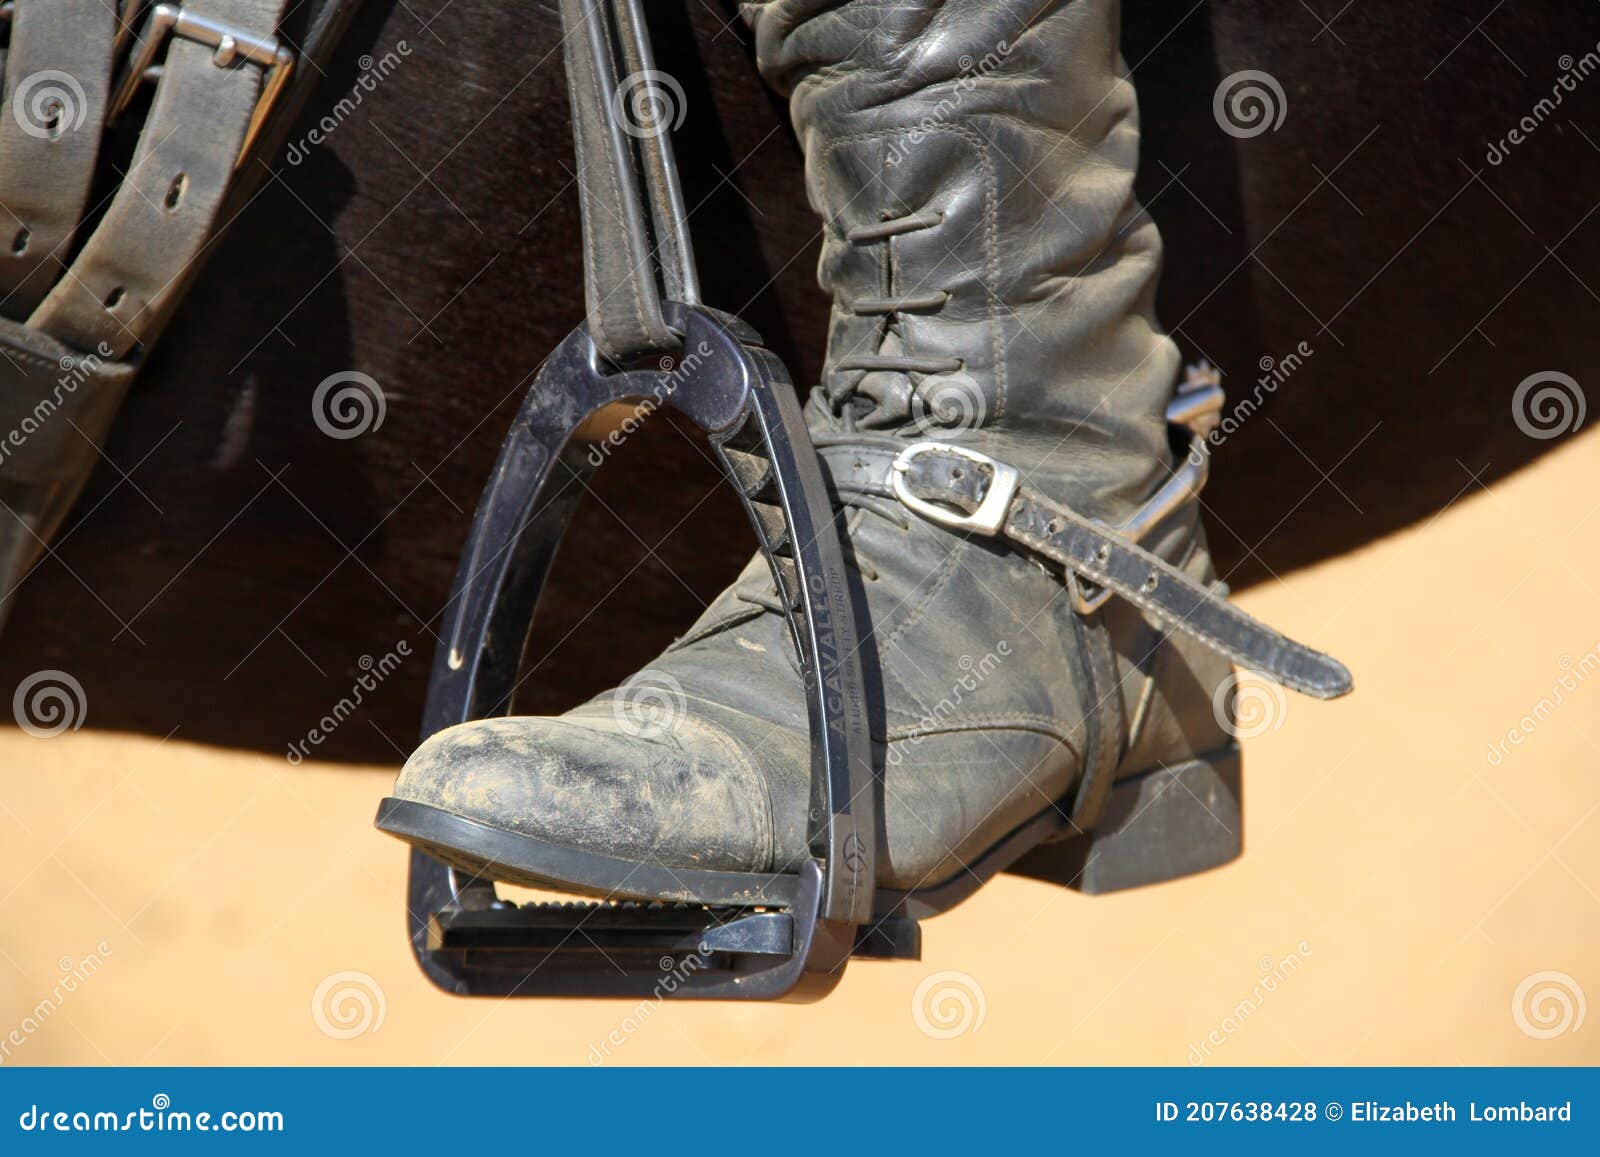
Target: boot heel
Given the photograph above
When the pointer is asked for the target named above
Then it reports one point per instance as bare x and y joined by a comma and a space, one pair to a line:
1161, 825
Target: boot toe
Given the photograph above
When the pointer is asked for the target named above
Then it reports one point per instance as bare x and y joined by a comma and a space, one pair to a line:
686, 798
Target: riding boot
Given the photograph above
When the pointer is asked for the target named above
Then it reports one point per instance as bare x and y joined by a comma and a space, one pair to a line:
972, 164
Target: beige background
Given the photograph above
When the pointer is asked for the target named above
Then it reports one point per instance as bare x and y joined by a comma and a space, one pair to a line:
1417, 883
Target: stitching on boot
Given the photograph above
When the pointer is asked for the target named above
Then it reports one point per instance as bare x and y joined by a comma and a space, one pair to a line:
989, 721
946, 569
991, 220
892, 671
736, 756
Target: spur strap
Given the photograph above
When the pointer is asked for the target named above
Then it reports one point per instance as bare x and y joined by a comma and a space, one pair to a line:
964, 490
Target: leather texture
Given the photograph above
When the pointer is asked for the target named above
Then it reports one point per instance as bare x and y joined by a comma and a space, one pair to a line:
126, 279
1096, 552
56, 406
972, 164
81, 311
621, 289
47, 164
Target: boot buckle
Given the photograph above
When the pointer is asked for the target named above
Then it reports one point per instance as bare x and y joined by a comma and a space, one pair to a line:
988, 518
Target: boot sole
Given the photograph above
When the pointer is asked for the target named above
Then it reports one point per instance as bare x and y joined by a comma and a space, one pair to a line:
1161, 824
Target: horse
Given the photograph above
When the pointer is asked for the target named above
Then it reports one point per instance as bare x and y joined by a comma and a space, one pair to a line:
1364, 232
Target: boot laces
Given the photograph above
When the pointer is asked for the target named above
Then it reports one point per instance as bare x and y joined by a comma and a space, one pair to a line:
834, 410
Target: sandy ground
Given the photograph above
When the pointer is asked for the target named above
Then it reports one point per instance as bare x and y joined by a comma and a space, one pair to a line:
1405, 897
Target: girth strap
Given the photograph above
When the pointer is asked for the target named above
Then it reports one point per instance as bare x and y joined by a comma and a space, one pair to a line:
79, 313
131, 271
57, 92
966, 491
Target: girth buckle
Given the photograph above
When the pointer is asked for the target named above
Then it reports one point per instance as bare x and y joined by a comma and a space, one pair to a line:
230, 44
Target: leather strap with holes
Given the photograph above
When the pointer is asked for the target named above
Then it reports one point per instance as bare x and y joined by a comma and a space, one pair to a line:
88, 281
1083, 547
117, 290
57, 90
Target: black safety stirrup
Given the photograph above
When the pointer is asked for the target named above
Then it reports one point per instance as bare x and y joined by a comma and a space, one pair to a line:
752, 936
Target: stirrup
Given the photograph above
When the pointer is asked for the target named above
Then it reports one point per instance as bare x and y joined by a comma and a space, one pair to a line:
793, 935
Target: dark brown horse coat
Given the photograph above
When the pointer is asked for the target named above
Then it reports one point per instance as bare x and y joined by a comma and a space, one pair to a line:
1376, 276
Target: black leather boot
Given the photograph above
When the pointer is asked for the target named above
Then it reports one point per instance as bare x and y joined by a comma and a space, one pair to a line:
994, 415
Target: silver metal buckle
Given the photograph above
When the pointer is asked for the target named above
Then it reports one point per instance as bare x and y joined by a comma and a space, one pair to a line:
231, 44
1197, 408
991, 513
